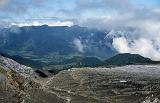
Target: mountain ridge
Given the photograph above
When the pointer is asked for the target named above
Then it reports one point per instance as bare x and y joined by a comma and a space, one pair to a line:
128, 59
82, 61
49, 44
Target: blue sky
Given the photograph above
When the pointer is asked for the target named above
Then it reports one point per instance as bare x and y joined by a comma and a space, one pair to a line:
151, 3
59, 8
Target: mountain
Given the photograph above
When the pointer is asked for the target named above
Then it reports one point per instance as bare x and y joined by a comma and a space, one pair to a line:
117, 60
66, 75
127, 59
54, 44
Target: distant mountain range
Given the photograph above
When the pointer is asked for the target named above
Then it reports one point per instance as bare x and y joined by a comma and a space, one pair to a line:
55, 44
63, 47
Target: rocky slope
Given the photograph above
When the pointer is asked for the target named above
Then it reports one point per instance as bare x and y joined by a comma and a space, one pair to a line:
18, 84
9, 64
127, 84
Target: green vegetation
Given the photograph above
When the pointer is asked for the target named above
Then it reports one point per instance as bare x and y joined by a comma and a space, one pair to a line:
127, 59
79, 61
75, 62
25, 61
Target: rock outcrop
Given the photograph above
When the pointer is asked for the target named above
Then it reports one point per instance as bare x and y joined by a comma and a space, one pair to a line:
9, 64
18, 84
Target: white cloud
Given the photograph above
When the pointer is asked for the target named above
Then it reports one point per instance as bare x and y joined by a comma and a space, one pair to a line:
143, 39
78, 44
121, 45
141, 46
40, 23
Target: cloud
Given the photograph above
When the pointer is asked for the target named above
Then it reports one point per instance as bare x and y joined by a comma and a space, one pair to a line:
30, 12
102, 4
135, 29
78, 45
11, 10
43, 22
3, 2
128, 18
88, 8
15, 29
106, 13
121, 45
143, 39
141, 46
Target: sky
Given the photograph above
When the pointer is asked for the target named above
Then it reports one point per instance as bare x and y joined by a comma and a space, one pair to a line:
82, 12
134, 24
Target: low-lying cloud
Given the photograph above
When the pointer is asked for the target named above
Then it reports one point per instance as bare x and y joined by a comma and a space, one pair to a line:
143, 40
136, 30
141, 46
78, 45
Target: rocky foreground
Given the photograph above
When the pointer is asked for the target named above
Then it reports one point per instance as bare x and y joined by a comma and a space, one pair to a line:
127, 84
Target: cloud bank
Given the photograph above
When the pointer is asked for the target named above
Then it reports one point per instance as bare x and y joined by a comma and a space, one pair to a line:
141, 46
40, 23
134, 29
143, 39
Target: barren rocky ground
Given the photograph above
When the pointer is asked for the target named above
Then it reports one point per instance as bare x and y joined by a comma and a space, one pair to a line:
126, 84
